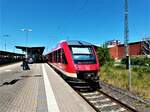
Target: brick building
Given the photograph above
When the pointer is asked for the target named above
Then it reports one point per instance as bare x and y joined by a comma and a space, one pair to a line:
117, 50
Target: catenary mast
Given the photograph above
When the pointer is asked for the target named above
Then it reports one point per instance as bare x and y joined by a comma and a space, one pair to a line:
126, 40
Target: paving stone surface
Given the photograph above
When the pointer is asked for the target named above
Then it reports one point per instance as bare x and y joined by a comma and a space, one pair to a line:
24, 95
24, 91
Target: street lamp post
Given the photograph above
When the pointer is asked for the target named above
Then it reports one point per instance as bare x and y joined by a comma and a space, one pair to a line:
27, 31
4, 36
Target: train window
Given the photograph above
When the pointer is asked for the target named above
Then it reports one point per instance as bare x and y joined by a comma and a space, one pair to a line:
58, 56
55, 55
64, 60
50, 57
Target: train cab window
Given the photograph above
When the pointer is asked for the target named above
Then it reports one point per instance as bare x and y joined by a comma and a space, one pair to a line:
64, 60
84, 55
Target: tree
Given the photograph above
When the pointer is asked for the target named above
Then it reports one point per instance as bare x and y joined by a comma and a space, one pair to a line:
103, 55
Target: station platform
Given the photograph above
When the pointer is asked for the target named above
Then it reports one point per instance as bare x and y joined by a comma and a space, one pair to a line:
39, 89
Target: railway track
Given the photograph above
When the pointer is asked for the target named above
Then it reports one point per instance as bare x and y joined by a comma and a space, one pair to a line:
102, 102
127, 97
109, 98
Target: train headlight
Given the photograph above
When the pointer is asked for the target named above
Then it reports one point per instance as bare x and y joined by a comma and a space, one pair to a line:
88, 75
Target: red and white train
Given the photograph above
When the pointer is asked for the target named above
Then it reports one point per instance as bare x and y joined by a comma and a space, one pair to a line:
77, 61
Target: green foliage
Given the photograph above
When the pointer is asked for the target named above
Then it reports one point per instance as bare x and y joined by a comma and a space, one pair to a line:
140, 60
120, 67
107, 69
118, 76
123, 61
142, 69
140, 64
104, 56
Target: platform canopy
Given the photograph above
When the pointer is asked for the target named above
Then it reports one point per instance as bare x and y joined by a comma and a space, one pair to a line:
31, 49
36, 53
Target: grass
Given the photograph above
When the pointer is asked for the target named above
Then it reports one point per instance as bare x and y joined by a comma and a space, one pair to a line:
118, 76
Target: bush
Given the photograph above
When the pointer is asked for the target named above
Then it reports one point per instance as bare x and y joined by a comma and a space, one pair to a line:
123, 61
120, 66
142, 69
140, 61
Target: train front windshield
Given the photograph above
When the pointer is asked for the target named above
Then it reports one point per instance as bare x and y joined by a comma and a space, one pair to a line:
83, 55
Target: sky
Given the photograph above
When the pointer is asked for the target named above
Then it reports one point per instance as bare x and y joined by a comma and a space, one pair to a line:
94, 21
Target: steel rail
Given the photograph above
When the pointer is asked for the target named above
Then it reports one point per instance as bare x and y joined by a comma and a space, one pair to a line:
93, 106
119, 103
